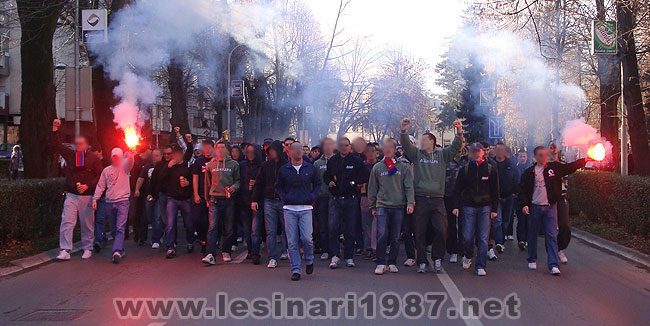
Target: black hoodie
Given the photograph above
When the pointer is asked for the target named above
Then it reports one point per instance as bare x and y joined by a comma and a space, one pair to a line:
265, 181
248, 171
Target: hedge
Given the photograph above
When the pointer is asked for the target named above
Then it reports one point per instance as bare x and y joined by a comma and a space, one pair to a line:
30, 208
4, 168
612, 198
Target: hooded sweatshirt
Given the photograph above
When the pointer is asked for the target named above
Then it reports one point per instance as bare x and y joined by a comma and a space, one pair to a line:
391, 190
249, 171
265, 182
115, 181
429, 169
220, 174
321, 167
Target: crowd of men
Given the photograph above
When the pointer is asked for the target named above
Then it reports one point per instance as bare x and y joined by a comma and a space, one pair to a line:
300, 201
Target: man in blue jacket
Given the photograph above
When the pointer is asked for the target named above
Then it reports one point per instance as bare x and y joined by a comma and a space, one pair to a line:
297, 185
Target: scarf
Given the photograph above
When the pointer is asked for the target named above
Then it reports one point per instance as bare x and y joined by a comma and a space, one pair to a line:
390, 165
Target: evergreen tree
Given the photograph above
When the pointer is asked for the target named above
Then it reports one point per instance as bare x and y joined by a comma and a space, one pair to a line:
475, 122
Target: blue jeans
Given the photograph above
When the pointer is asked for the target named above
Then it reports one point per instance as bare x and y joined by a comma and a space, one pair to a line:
252, 223
322, 213
220, 209
173, 206
547, 216
273, 218
499, 226
343, 213
389, 223
299, 228
118, 214
100, 223
476, 227
158, 211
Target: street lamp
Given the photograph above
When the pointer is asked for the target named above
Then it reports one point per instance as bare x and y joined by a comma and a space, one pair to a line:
228, 90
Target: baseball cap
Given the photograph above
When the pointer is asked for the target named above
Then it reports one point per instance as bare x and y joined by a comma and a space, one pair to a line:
475, 146
117, 152
268, 141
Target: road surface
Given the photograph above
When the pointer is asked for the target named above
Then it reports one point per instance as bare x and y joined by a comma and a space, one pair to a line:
595, 288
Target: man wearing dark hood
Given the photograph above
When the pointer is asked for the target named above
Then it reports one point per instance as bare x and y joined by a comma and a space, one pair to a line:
253, 222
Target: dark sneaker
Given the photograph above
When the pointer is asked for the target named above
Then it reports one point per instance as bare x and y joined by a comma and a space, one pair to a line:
116, 257
171, 253
256, 260
295, 277
522, 245
190, 248
97, 248
310, 269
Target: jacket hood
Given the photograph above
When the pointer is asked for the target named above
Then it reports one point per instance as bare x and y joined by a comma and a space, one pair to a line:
277, 146
259, 158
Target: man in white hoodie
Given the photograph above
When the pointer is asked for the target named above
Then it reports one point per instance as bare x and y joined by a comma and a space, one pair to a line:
115, 181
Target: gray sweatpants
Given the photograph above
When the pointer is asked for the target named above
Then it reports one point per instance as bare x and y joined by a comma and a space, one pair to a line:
74, 206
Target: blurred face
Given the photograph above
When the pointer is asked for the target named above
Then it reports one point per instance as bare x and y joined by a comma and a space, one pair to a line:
359, 145
116, 160
328, 147
344, 146
295, 151
222, 151
541, 156
167, 154
250, 153
236, 153
156, 156
207, 149
522, 157
273, 154
426, 143
477, 154
500, 151
371, 153
390, 149
197, 153
177, 156
81, 144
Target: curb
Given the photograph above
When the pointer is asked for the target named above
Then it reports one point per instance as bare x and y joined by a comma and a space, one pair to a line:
19, 265
613, 247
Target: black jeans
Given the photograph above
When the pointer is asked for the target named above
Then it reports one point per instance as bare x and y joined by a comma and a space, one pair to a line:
343, 212
454, 228
408, 236
522, 226
430, 211
564, 227
322, 215
200, 217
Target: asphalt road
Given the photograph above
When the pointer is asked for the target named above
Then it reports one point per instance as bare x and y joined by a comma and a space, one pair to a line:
595, 288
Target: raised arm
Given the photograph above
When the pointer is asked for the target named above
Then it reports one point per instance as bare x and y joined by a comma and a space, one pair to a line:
55, 141
452, 150
410, 150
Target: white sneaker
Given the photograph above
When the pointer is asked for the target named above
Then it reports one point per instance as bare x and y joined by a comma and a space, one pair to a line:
409, 262
491, 254
380, 269
532, 265
226, 257
63, 255
500, 248
562, 256
272, 263
283, 256
466, 263
555, 271
335, 262
208, 259
155, 245
324, 256
349, 263
437, 265
481, 272
453, 258
393, 269
422, 268
87, 254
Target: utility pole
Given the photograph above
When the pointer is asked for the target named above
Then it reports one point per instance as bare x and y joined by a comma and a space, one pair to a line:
77, 109
624, 162
228, 87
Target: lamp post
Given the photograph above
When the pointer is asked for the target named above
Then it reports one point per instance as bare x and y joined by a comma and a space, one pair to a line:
228, 91
77, 109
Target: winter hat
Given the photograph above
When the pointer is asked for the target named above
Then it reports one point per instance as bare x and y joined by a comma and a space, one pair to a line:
390, 165
117, 152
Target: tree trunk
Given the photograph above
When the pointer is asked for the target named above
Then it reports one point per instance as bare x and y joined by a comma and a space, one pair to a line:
38, 23
632, 88
178, 94
609, 77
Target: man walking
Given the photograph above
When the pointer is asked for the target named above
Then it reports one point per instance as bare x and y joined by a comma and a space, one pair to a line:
390, 189
344, 172
508, 183
82, 170
264, 192
429, 167
476, 197
297, 185
221, 183
199, 202
324, 196
522, 228
541, 188
115, 181
253, 222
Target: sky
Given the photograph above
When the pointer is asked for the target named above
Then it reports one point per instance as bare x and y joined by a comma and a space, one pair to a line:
421, 27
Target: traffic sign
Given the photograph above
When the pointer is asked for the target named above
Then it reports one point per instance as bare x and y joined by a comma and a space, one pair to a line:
94, 25
237, 88
496, 127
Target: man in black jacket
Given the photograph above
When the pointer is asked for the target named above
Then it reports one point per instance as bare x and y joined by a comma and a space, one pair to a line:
264, 192
508, 183
540, 190
344, 172
82, 170
477, 192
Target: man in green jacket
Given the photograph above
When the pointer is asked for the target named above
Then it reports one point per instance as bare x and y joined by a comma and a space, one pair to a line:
390, 189
429, 166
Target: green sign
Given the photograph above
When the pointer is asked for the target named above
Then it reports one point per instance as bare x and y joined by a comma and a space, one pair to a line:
603, 37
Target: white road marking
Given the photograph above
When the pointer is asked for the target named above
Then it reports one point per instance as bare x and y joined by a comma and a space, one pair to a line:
157, 324
240, 258
454, 295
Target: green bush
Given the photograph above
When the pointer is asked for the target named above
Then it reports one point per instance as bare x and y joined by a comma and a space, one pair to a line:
612, 198
30, 209
4, 168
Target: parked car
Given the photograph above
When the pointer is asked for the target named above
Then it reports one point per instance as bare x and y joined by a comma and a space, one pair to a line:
6, 149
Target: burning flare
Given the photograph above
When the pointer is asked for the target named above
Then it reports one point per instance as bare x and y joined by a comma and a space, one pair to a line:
131, 137
597, 152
